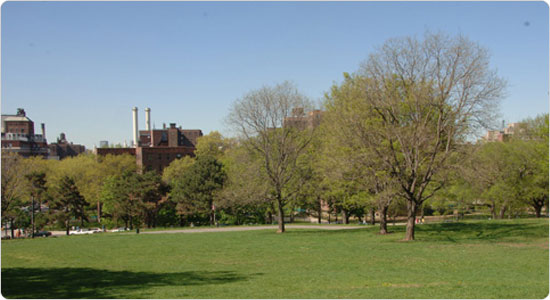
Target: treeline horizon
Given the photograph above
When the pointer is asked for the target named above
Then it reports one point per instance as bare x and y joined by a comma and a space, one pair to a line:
393, 138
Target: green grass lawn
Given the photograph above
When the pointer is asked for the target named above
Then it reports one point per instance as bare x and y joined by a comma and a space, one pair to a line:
474, 259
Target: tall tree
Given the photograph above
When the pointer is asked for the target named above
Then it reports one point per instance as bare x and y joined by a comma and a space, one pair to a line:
123, 198
13, 187
259, 117
69, 202
422, 100
246, 188
37, 187
196, 190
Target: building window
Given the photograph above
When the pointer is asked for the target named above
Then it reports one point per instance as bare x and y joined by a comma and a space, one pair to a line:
149, 157
168, 156
160, 156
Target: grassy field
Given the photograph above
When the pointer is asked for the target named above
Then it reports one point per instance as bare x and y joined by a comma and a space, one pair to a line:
474, 259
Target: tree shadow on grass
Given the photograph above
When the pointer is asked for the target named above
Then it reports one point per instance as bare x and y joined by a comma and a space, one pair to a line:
481, 231
93, 283
316, 231
488, 231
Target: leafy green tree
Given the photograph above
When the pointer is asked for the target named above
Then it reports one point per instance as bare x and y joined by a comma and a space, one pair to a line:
111, 165
13, 187
154, 192
421, 100
347, 123
123, 198
177, 169
527, 164
196, 190
213, 144
38, 190
246, 189
68, 203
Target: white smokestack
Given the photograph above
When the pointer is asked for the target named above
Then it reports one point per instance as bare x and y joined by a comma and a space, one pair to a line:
135, 119
147, 119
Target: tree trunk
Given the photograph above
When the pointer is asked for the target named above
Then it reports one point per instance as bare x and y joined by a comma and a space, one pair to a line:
131, 223
320, 216
372, 216
411, 217
383, 211
538, 207
537, 211
11, 228
67, 227
281, 215
493, 211
502, 211
269, 218
345, 216
98, 212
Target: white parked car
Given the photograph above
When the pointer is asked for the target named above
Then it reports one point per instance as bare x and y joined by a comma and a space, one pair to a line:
80, 231
120, 229
95, 230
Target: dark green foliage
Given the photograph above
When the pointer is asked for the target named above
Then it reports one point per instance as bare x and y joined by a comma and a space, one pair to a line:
68, 203
134, 198
195, 190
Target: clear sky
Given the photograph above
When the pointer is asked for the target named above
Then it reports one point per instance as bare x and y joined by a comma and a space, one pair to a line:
80, 67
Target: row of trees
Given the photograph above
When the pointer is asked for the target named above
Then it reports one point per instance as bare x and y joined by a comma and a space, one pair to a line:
396, 137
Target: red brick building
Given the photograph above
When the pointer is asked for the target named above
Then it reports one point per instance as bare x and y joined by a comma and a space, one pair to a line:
300, 120
63, 148
18, 136
155, 149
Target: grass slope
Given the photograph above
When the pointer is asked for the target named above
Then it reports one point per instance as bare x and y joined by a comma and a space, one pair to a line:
475, 259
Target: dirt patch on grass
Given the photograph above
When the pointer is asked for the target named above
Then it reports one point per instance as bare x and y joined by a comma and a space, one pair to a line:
413, 285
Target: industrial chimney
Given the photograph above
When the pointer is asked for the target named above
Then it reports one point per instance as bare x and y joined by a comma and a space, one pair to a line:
43, 130
135, 119
148, 119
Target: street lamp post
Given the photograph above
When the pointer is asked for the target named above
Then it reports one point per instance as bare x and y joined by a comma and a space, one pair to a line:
32, 216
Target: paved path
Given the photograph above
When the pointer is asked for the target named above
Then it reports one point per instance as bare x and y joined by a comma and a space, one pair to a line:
246, 228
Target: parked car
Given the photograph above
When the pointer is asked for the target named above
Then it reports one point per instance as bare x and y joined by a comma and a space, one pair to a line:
80, 231
120, 229
42, 234
95, 230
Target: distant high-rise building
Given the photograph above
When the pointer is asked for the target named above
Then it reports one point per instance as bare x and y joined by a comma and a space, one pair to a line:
103, 144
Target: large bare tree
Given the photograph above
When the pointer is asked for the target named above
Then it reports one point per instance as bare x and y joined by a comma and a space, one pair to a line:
259, 117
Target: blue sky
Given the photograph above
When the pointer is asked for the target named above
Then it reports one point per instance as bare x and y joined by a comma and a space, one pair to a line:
80, 67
